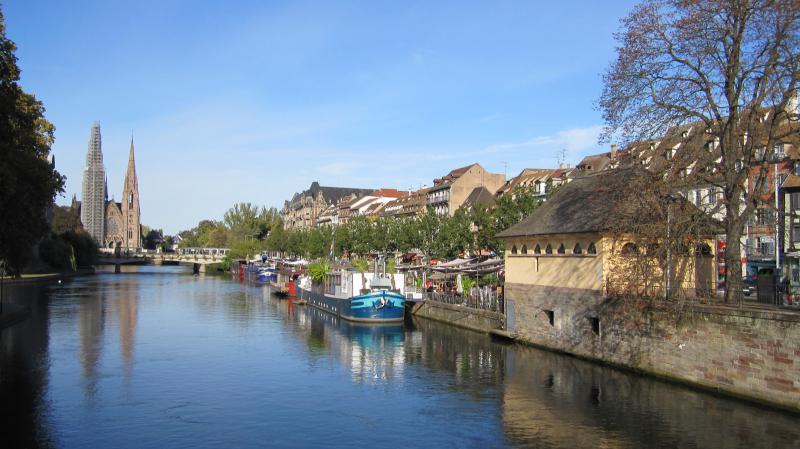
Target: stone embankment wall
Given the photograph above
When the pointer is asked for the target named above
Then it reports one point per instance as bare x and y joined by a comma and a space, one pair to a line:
750, 353
474, 319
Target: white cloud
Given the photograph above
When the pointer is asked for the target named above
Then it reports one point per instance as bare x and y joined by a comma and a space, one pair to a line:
574, 140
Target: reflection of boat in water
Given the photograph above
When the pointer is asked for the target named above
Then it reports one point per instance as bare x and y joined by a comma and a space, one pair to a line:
376, 302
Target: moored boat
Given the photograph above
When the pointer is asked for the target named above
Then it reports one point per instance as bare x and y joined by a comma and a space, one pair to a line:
375, 301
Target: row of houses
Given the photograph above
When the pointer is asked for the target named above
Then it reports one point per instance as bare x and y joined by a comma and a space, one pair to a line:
772, 237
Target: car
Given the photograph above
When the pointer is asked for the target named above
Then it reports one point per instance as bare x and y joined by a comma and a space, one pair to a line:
749, 284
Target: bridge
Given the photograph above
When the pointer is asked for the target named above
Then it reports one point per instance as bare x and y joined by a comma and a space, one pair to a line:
198, 257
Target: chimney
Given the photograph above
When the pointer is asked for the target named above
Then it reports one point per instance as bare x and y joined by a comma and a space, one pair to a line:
613, 151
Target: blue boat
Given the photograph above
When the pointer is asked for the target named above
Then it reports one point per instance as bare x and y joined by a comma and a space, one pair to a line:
267, 275
376, 301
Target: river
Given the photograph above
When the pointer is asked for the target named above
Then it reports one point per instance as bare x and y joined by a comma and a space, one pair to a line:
157, 358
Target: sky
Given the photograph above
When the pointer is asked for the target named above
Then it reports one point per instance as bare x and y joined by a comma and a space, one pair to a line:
251, 101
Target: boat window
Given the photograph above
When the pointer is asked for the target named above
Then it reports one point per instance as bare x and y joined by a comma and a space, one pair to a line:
577, 249
561, 249
524, 249
514, 249
548, 249
538, 249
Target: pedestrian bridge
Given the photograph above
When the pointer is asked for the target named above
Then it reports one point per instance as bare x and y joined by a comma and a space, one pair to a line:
192, 255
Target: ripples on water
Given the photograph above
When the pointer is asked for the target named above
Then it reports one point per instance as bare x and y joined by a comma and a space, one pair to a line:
158, 358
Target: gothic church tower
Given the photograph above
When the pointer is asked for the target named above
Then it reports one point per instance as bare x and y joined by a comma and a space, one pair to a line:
94, 192
130, 206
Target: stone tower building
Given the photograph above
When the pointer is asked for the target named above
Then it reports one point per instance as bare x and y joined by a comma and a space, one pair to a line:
94, 192
118, 226
130, 205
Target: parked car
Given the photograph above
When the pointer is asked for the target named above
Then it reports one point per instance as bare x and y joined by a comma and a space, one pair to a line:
749, 284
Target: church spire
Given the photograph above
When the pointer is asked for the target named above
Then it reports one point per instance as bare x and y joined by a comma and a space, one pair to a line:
130, 205
130, 176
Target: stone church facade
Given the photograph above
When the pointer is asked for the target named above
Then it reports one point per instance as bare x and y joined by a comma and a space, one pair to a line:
120, 228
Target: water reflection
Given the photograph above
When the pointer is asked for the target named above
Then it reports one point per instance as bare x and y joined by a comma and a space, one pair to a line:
137, 359
91, 322
372, 353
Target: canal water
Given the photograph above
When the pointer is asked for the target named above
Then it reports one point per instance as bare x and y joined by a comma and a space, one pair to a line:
158, 358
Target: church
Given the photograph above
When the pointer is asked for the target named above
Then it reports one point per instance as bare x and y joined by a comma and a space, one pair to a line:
115, 226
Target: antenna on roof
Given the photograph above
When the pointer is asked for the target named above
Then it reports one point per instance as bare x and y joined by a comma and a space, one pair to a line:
562, 156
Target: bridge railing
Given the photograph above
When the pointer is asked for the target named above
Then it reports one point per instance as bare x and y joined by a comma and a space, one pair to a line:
216, 252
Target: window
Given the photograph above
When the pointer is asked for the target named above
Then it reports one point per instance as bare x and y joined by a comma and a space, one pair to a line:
550, 316
795, 234
795, 200
779, 151
698, 197
514, 249
577, 249
764, 216
561, 249
537, 249
524, 249
548, 249
595, 322
630, 249
591, 249
702, 250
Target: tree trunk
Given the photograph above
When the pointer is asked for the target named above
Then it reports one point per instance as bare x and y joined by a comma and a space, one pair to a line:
733, 262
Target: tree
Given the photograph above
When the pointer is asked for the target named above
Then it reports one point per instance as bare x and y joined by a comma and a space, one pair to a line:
28, 181
728, 67
65, 219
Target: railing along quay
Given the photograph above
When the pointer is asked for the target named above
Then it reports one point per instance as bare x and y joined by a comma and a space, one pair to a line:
481, 299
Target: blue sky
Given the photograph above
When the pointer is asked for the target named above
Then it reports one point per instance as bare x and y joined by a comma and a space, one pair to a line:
234, 101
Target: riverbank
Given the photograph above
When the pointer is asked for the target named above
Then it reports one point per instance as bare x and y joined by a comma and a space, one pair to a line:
46, 277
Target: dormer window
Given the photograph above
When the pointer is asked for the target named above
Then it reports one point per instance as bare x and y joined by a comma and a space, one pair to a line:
685, 134
779, 151
652, 146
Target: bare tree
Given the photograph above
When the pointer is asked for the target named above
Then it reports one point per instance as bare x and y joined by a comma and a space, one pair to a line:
729, 66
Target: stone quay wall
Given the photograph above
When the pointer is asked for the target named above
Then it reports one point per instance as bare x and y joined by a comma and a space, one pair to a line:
468, 318
752, 354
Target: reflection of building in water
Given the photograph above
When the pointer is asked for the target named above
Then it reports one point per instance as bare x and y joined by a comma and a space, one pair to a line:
372, 353
127, 314
550, 400
91, 323
474, 360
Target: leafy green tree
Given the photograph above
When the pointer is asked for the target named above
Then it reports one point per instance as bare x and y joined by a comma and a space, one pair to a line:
485, 226
514, 206
83, 245
28, 181
65, 218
